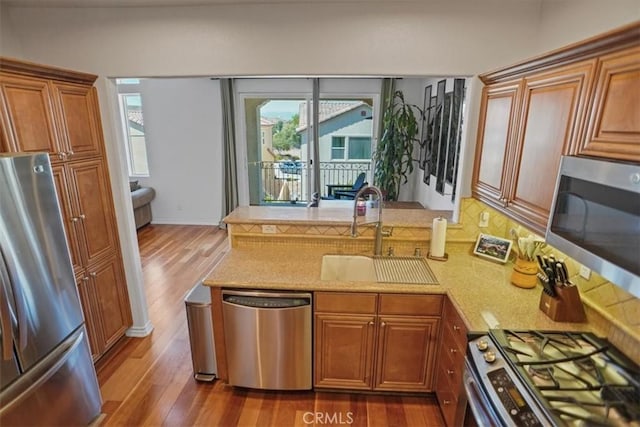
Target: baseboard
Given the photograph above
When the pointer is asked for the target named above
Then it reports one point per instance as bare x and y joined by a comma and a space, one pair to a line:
182, 222
139, 331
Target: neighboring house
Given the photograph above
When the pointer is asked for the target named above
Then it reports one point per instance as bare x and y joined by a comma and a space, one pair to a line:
345, 129
266, 140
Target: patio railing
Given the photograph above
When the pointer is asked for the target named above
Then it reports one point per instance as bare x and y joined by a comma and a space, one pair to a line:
286, 182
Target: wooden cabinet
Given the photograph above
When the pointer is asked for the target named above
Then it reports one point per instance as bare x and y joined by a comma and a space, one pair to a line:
614, 119
375, 341
449, 373
56, 111
578, 100
41, 115
526, 125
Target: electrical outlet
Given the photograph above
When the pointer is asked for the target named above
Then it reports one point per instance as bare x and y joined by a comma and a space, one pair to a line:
585, 272
269, 229
484, 219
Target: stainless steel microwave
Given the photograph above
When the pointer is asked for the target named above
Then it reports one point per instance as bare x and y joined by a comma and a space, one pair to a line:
595, 218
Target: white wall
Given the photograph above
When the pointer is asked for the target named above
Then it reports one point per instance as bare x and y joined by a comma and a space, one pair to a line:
379, 38
183, 125
568, 21
9, 44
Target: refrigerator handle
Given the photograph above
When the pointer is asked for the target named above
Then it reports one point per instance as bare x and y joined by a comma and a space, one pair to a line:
5, 317
18, 300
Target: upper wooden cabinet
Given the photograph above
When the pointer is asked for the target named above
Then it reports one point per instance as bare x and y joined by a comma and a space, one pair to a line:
581, 100
614, 120
39, 113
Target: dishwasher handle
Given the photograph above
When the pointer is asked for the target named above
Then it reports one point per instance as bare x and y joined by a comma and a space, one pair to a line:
266, 300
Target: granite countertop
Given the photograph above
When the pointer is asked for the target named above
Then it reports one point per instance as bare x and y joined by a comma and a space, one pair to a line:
331, 216
474, 285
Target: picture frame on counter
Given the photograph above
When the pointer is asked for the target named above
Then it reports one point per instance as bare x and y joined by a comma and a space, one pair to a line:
492, 247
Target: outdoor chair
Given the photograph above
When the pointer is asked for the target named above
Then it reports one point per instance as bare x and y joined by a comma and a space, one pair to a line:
337, 191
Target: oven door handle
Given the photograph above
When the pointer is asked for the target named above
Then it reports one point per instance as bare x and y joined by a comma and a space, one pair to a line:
478, 403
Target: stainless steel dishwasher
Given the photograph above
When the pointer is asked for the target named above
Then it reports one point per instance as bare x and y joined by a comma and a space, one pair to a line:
268, 339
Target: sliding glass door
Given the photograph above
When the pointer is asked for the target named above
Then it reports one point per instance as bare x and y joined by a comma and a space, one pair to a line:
277, 148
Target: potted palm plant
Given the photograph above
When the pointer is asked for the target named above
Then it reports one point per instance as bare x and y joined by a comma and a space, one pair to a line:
393, 157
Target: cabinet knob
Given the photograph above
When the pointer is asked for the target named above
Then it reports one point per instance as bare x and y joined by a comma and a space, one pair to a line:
82, 216
62, 155
446, 402
456, 328
70, 153
453, 350
93, 274
383, 324
450, 371
74, 219
85, 279
371, 323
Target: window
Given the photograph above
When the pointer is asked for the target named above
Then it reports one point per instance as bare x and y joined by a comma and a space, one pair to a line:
133, 128
359, 148
337, 147
350, 148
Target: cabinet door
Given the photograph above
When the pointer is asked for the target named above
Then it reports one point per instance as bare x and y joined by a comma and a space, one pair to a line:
94, 209
496, 130
27, 116
79, 121
614, 120
91, 321
71, 221
553, 110
111, 302
344, 351
406, 353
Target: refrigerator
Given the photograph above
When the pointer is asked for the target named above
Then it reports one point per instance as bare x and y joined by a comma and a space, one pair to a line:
47, 375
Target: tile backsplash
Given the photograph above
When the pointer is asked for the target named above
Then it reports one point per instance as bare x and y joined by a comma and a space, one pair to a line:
610, 301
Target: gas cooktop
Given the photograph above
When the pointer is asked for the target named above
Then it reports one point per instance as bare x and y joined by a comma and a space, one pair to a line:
574, 378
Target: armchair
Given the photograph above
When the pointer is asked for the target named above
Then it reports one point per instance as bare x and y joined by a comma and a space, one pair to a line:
346, 191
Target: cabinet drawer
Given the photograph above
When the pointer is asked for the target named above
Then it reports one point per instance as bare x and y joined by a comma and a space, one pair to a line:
407, 305
455, 325
345, 302
451, 347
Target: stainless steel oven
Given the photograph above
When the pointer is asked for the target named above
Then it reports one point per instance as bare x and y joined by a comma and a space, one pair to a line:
595, 217
550, 378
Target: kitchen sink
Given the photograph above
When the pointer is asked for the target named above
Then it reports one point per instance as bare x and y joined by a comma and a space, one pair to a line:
361, 268
348, 268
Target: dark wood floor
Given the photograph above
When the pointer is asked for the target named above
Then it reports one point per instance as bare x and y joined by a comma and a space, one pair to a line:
148, 381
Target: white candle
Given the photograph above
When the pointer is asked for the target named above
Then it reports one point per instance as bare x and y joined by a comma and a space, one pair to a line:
438, 237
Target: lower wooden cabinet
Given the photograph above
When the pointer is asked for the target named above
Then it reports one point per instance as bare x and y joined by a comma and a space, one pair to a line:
105, 304
376, 341
449, 373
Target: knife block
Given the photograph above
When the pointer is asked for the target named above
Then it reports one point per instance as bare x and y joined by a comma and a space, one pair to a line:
566, 306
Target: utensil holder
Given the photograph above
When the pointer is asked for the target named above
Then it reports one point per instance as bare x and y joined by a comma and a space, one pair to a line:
524, 273
566, 306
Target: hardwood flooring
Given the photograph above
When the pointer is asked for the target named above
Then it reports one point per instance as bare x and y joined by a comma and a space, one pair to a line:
148, 381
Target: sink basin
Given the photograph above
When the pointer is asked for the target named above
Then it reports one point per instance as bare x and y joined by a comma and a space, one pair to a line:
348, 268
359, 268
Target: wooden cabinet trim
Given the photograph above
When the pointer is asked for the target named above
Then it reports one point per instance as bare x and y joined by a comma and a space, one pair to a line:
30, 69
617, 39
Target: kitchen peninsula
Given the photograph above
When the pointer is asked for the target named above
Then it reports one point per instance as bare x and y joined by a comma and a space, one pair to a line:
283, 248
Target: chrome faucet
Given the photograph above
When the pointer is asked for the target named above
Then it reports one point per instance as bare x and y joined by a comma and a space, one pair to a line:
379, 231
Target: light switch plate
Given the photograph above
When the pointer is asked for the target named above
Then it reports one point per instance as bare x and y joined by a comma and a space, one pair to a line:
484, 219
269, 229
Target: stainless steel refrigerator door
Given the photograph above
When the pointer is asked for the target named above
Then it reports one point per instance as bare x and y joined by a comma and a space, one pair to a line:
60, 390
43, 293
8, 364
